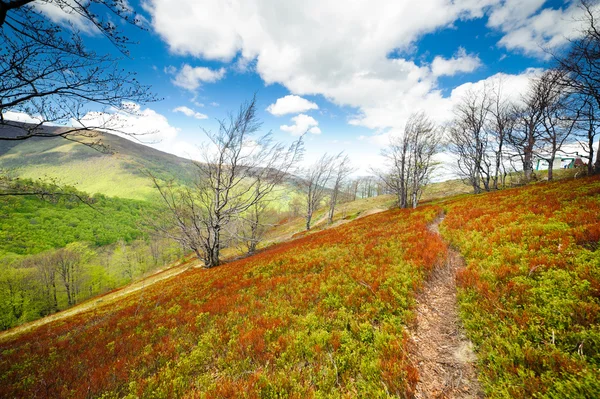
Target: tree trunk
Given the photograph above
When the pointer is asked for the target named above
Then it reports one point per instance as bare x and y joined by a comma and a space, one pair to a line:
550, 165
253, 235
332, 205
54, 300
590, 163
69, 299
528, 165
597, 164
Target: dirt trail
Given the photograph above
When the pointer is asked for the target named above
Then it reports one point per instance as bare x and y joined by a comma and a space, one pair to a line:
440, 350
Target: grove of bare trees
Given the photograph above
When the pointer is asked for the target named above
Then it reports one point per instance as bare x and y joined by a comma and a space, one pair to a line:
237, 174
410, 159
491, 134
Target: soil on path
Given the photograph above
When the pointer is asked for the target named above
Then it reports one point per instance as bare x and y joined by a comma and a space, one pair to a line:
442, 354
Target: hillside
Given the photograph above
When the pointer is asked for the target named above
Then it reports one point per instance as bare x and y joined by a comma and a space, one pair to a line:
120, 173
328, 314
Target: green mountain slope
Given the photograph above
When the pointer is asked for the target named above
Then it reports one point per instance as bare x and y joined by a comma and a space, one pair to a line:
120, 173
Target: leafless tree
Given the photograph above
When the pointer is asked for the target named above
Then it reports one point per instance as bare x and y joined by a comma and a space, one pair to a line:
587, 126
238, 171
316, 179
557, 123
253, 224
47, 72
425, 139
469, 139
397, 174
342, 169
581, 65
500, 127
410, 159
68, 263
45, 266
353, 188
529, 116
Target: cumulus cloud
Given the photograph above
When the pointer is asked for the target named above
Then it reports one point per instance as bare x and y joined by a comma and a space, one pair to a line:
21, 117
510, 87
461, 62
532, 30
295, 44
65, 15
190, 78
302, 124
291, 104
138, 124
190, 112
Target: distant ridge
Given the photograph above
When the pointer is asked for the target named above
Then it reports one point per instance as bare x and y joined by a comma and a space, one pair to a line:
120, 173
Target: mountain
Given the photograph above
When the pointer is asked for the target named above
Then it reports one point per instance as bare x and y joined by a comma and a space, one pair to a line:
118, 173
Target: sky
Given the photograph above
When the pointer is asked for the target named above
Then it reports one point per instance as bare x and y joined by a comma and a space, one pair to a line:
347, 72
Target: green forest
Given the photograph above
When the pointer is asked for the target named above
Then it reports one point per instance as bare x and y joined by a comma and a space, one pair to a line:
56, 253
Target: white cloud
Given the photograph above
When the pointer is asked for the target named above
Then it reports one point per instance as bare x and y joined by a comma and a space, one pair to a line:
142, 125
291, 104
511, 87
302, 124
316, 47
190, 78
190, 112
461, 62
21, 117
65, 15
532, 30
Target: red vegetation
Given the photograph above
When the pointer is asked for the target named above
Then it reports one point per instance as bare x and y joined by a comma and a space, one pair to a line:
529, 294
323, 313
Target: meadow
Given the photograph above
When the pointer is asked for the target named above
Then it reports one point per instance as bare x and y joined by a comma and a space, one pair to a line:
530, 294
327, 314
323, 315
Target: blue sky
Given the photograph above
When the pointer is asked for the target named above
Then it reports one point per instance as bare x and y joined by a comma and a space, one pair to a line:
349, 71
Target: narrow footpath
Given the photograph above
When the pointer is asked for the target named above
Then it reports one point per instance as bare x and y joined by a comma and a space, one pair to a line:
441, 352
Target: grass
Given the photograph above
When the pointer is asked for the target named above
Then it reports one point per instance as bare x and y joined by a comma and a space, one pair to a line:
96, 175
119, 174
530, 295
323, 315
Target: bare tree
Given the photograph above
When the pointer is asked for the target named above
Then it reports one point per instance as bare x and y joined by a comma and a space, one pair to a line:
587, 126
254, 223
47, 72
353, 188
68, 262
410, 159
468, 138
556, 124
342, 169
425, 140
316, 179
45, 267
528, 126
254, 226
396, 176
238, 171
500, 127
581, 65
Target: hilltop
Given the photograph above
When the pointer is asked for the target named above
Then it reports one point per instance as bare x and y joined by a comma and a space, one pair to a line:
119, 173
